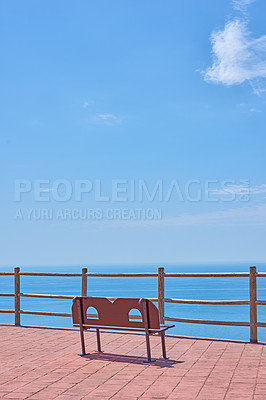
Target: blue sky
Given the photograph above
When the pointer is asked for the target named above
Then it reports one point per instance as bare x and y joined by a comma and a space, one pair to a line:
166, 93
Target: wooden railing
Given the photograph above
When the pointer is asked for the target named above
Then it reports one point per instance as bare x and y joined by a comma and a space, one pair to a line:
161, 275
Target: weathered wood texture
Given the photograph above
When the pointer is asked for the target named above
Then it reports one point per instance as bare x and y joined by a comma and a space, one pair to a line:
161, 294
17, 297
208, 302
207, 322
84, 283
253, 306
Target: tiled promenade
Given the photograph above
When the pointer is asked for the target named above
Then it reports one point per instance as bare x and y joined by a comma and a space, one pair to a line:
43, 364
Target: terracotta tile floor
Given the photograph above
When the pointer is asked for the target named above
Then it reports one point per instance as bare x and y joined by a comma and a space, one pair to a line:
39, 363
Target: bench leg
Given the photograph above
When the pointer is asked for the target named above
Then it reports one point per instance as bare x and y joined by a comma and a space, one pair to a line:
147, 333
98, 340
163, 344
149, 359
81, 330
82, 341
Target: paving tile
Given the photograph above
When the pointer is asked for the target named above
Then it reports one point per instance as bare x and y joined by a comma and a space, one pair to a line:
43, 364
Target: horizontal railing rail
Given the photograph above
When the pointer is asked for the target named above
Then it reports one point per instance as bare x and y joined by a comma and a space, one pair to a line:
208, 302
47, 296
206, 274
7, 311
48, 313
207, 322
49, 274
122, 275
253, 302
6, 273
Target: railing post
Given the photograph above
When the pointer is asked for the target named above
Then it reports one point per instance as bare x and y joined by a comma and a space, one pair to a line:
161, 294
17, 297
84, 282
252, 304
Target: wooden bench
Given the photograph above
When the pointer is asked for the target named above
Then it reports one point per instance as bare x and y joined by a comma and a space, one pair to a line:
115, 316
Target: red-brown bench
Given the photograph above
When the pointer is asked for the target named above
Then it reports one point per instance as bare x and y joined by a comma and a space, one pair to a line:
115, 316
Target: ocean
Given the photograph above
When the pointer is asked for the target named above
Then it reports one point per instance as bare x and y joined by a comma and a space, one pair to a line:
182, 288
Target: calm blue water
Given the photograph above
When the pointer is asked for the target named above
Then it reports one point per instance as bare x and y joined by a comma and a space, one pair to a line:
186, 288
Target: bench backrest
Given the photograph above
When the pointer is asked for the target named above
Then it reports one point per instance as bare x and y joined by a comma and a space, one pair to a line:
114, 313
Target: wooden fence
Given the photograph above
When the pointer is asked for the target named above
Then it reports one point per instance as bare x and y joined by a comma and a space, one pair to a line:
161, 275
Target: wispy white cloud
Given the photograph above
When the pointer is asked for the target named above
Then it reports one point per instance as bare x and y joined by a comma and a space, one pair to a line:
88, 103
244, 216
255, 215
107, 118
252, 109
241, 189
241, 5
258, 189
258, 89
237, 55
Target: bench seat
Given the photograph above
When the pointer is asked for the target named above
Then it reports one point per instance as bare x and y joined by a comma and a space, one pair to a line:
120, 328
